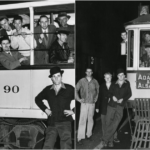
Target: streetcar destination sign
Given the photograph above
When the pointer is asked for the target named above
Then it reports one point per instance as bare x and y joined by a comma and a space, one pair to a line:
143, 80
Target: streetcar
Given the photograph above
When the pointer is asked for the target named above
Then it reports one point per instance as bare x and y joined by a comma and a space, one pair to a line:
22, 123
137, 49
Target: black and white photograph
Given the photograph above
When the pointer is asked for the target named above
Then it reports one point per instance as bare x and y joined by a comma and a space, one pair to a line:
74, 74
37, 74
112, 75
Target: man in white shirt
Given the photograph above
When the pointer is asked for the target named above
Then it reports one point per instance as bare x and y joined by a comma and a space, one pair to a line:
22, 37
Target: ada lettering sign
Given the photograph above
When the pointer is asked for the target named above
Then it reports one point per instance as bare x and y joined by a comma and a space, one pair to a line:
143, 80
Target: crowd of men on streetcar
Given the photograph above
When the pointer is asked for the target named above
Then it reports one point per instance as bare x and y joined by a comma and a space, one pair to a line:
51, 44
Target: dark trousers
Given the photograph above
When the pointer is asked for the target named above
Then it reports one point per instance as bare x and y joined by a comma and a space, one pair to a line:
63, 129
113, 118
103, 121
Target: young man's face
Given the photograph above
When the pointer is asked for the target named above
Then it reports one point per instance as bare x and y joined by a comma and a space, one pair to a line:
44, 23
147, 38
107, 78
5, 45
62, 37
89, 72
56, 79
121, 76
5, 24
124, 36
63, 21
18, 24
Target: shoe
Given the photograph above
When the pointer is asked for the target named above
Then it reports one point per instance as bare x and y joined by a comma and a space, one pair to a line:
103, 144
110, 144
80, 142
116, 140
89, 138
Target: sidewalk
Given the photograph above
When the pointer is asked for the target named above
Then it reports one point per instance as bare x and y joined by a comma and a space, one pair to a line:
124, 136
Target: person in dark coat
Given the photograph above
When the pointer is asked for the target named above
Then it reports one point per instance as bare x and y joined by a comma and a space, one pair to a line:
62, 20
59, 51
121, 93
59, 97
8, 58
44, 36
105, 93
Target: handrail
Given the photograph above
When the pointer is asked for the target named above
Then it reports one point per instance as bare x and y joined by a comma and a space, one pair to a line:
43, 66
36, 4
32, 38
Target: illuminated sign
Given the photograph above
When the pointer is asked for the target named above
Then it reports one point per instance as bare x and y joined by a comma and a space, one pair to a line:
143, 80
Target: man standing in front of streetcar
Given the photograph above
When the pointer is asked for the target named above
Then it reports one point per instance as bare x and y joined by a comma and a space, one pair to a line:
59, 96
121, 93
89, 90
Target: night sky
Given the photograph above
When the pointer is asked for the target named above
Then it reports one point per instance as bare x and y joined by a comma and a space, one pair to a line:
98, 28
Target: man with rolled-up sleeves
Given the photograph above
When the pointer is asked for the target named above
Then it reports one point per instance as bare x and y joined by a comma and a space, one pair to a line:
89, 89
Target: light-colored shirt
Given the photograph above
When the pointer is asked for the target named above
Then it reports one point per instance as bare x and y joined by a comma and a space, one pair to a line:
88, 90
9, 33
108, 85
22, 43
45, 31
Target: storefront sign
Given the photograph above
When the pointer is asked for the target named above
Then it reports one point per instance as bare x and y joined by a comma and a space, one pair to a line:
143, 80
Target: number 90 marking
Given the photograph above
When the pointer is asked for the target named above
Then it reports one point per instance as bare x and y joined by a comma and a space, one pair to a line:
7, 89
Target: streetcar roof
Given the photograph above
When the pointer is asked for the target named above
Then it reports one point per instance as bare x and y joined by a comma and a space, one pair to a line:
144, 19
53, 6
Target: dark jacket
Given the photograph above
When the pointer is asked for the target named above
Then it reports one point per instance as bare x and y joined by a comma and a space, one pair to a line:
10, 62
41, 55
58, 103
57, 53
121, 92
70, 39
104, 95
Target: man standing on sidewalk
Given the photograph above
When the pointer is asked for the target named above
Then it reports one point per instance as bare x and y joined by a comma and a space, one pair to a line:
59, 96
89, 90
121, 93
105, 93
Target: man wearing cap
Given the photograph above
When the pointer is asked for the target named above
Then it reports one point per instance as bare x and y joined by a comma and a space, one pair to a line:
8, 27
59, 51
59, 96
89, 90
62, 20
121, 93
44, 36
10, 59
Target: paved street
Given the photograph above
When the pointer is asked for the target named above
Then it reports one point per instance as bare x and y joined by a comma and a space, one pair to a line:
124, 135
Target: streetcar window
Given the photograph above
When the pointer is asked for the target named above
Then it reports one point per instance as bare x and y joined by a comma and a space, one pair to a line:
47, 25
144, 56
50, 41
130, 47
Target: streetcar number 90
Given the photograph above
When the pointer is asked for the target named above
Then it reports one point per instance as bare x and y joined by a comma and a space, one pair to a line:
14, 89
